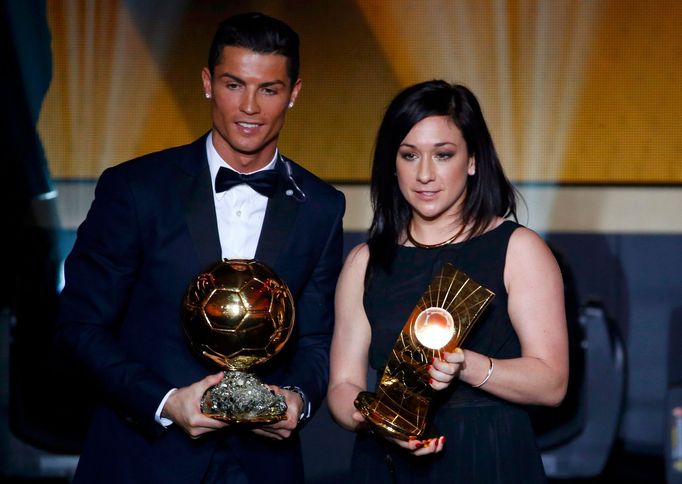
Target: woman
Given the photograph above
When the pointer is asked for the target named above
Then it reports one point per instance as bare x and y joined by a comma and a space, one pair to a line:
440, 195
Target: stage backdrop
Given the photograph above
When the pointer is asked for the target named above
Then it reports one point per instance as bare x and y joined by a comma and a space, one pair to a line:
575, 91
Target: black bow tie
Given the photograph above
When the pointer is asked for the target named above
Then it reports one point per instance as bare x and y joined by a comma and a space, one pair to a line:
264, 182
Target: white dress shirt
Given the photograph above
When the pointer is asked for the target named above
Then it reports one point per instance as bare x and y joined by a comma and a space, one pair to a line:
240, 211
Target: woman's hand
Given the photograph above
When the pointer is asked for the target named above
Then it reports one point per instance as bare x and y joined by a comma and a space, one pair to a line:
444, 369
422, 447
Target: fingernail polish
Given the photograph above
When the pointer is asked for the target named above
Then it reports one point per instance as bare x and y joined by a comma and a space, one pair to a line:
419, 445
430, 381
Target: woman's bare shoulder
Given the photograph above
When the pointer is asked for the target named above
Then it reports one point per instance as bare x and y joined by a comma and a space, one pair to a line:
528, 251
524, 239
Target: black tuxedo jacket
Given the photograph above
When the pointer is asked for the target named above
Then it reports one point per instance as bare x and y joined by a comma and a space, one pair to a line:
151, 229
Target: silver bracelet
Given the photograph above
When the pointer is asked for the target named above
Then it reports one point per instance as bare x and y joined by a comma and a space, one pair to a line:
487, 376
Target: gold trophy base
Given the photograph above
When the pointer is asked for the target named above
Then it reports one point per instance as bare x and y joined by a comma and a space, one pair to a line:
382, 420
241, 398
234, 419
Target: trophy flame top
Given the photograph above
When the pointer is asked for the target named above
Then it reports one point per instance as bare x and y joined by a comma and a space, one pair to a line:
238, 314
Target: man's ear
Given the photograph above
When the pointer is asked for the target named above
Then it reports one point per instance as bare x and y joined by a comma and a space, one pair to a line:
294, 92
206, 81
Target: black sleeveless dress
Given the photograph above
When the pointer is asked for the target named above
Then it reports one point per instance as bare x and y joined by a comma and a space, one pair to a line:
487, 439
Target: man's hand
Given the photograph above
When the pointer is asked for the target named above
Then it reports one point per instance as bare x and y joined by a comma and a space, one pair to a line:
284, 428
183, 408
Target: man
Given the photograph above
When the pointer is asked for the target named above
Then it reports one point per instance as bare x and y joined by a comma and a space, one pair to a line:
156, 223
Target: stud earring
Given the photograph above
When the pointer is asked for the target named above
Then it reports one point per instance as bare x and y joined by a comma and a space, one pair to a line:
207, 95
291, 104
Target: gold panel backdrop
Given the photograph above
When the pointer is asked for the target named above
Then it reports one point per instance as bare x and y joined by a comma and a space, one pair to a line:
575, 91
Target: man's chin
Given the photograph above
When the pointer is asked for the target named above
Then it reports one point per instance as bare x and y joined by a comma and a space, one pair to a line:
252, 147
248, 150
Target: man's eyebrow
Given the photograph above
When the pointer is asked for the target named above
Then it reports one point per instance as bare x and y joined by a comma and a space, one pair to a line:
273, 83
242, 81
233, 77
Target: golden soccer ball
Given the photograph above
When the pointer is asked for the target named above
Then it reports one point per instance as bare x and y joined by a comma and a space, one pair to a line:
238, 314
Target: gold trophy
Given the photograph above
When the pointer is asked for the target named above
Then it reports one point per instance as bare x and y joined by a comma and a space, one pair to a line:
239, 315
439, 322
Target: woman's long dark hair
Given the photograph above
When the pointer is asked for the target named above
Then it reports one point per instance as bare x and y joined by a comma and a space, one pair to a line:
489, 192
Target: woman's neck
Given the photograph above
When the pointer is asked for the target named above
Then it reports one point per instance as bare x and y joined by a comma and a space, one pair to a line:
434, 233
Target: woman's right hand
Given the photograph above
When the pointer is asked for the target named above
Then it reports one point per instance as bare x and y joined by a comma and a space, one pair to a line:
422, 446
414, 445
360, 421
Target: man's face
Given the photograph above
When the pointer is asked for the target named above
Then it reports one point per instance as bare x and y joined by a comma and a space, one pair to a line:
250, 94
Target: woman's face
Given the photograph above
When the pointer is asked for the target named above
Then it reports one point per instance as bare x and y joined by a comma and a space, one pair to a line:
432, 165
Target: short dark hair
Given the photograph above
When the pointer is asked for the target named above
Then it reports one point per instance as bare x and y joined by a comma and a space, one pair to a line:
259, 33
489, 192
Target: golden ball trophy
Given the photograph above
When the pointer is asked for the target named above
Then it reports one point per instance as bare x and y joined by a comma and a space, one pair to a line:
439, 322
239, 315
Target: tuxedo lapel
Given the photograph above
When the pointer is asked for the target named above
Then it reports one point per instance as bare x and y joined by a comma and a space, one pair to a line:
279, 221
200, 213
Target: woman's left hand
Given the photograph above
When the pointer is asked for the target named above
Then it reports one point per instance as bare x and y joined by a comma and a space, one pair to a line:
444, 369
